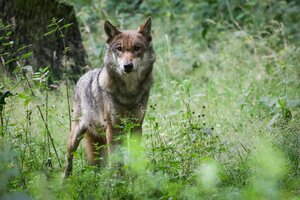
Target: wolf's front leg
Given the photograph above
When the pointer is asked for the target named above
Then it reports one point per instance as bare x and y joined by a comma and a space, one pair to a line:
74, 139
135, 140
137, 131
114, 142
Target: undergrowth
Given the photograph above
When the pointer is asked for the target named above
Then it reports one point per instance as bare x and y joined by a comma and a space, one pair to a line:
222, 120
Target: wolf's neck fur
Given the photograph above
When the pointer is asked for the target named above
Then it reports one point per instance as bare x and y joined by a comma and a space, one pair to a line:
129, 89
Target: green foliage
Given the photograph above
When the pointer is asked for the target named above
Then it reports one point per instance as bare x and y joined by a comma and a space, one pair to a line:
222, 120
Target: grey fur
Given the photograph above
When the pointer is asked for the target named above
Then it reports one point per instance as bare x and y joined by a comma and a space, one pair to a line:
104, 96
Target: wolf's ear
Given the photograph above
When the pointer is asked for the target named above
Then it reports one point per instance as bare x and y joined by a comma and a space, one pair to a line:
110, 30
145, 28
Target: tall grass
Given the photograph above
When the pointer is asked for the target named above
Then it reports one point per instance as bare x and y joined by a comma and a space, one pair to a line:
222, 120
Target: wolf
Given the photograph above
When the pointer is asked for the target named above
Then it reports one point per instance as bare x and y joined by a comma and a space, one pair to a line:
118, 90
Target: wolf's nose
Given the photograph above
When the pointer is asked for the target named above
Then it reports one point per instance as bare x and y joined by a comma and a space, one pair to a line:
128, 67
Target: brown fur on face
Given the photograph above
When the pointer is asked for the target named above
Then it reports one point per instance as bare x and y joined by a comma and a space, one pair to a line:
128, 46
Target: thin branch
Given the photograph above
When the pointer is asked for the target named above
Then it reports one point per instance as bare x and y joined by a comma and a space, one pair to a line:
41, 114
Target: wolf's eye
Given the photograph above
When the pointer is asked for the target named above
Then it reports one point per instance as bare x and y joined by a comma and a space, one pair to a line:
119, 48
136, 48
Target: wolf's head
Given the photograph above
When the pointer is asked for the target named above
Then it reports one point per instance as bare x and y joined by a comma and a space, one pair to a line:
129, 52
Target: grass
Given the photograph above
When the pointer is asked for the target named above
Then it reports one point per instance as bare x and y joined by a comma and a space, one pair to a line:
222, 123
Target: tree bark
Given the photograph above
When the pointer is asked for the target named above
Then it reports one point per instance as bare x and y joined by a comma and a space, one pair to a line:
30, 20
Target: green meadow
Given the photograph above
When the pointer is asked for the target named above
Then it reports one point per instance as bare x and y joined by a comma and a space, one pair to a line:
223, 117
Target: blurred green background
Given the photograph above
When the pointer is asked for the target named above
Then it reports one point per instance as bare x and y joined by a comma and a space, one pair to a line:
223, 119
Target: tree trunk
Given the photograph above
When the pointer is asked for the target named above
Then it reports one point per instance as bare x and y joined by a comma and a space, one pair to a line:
30, 20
